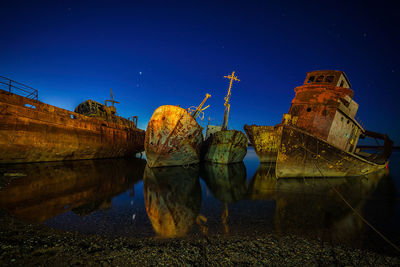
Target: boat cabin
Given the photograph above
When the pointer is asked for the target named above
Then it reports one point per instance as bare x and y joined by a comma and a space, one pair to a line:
323, 106
330, 77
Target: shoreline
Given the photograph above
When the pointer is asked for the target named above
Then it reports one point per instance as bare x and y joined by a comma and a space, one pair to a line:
32, 245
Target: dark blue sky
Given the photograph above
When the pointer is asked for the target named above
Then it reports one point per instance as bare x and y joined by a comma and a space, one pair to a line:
166, 52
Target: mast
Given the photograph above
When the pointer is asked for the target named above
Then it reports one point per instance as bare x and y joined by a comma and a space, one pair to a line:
199, 108
112, 101
232, 78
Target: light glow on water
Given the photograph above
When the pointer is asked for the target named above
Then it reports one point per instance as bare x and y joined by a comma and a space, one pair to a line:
110, 197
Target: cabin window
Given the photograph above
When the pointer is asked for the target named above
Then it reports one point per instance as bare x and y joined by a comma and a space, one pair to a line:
308, 109
312, 78
29, 106
72, 116
341, 84
320, 79
329, 78
341, 119
348, 121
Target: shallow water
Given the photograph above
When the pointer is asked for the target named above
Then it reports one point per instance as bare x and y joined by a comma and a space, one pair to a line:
121, 197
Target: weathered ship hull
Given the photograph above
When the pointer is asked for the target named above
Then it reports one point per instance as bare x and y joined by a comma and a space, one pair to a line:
303, 155
227, 146
32, 131
173, 138
265, 140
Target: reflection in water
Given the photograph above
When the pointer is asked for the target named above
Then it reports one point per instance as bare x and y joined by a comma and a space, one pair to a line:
312, 206
227, 182
303, 205
263, 184
172, 197
45, 190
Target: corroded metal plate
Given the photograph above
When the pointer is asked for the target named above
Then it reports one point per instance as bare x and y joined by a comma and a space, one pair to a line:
227, 146
173, 138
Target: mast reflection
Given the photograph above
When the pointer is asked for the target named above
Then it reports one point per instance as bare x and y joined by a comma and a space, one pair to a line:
227, 182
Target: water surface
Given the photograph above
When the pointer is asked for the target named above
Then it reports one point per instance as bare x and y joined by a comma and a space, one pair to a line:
123, 197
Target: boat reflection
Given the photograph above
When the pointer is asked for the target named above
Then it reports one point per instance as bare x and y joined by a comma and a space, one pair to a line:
316, 207
172, 196
263, 184
227, 182
45, 190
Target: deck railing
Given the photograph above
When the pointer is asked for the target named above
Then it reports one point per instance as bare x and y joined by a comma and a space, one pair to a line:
12, 86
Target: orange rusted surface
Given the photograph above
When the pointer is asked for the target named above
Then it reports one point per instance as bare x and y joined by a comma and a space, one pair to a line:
226, 146
316, 106
173, 138
172, 196
301, 154
38, 192
32, 131
318, 137
265, 140
320, 133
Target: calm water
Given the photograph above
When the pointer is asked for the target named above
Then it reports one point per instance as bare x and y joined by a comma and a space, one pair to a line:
125, 198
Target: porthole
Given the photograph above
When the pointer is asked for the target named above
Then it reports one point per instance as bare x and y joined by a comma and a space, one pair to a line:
308, 109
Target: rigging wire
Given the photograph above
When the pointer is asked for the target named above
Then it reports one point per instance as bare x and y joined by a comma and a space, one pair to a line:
351, 207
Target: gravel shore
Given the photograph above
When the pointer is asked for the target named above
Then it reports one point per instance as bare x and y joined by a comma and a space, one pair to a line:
36, 245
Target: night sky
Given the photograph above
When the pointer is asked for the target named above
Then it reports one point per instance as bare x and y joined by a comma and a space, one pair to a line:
165, 52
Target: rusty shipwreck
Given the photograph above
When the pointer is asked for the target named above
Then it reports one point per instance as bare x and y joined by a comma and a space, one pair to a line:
319, 135
223, 145
173, 136
33, 131
265, 140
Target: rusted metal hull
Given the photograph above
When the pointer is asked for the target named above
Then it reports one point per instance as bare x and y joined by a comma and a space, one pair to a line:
265, 140
226, 146
228, 183
32, 131
303, 155
173, 138
38, 192
172, 196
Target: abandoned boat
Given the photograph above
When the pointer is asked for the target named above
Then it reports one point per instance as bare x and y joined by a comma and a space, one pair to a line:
173, 136
32, 131
265, 140
319, 135
223, 145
